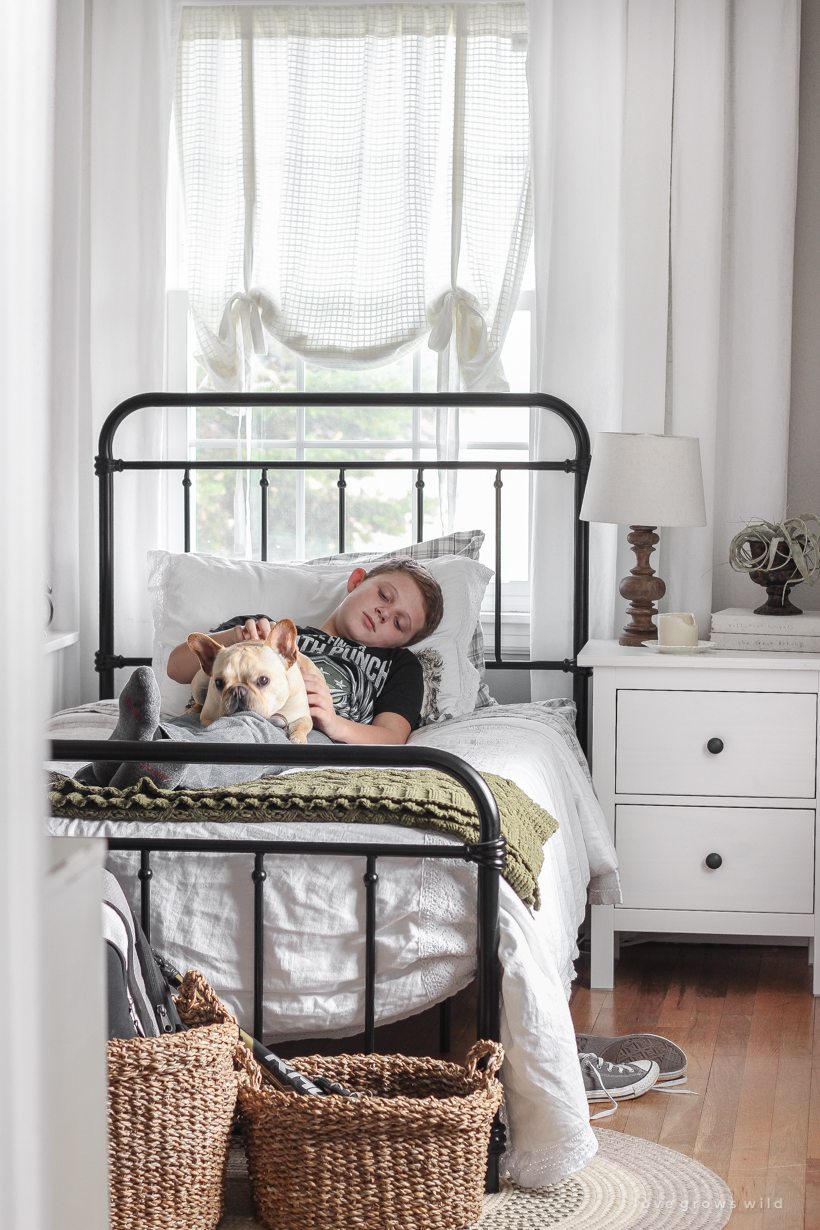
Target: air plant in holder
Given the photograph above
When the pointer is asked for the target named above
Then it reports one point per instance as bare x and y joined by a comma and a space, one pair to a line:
778, 557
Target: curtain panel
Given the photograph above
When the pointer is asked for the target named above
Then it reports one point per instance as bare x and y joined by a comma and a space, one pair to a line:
114, 93
665, 160
355, 177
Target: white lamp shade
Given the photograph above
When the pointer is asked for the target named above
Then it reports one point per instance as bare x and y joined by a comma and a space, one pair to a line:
645, 480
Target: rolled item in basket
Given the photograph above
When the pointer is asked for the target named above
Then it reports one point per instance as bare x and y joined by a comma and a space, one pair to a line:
284, 1076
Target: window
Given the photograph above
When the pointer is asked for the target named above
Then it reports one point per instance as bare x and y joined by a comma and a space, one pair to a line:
228, 56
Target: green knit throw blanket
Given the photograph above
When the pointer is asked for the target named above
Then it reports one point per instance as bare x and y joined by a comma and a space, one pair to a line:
418, 799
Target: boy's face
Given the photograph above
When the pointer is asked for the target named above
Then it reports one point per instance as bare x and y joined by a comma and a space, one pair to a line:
384, 612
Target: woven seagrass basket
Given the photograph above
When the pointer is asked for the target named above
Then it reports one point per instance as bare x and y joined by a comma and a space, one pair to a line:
171, 1103
412, 1157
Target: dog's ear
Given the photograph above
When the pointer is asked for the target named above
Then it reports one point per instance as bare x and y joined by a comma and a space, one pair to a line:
205, 648
282, 639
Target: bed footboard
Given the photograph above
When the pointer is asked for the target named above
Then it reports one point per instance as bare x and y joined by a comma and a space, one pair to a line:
488, 853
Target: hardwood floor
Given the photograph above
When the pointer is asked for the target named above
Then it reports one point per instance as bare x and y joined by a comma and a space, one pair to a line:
750, 1026
746, 1018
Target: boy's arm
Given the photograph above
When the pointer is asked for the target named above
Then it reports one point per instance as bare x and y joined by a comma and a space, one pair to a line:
183, 663
386, 727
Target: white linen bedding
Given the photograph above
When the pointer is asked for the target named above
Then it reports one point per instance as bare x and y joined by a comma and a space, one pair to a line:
314, 922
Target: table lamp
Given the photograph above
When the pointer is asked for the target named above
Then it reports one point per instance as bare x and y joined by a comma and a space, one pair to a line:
644, 481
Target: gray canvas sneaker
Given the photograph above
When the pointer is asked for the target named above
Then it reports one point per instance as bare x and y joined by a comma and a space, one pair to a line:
613, 1082
631, 1047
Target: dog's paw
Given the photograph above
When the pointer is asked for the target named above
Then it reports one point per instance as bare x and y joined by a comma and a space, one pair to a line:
298, 737
282, 722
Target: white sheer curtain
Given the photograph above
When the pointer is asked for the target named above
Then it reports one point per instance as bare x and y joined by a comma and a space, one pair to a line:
355, 178
129, 94
114, 87
664, 155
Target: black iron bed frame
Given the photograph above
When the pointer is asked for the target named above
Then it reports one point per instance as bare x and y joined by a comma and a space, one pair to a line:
489, 852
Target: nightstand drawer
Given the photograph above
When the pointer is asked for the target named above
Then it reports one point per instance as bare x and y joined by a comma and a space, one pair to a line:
765, 743
767, 858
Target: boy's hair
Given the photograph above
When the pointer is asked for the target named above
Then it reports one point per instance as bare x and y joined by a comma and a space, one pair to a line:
427, 585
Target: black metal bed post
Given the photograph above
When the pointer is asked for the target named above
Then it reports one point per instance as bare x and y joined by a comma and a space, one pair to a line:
497, 582
106, 564
580, 630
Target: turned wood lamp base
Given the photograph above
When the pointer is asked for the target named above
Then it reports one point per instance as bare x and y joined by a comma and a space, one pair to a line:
642, 588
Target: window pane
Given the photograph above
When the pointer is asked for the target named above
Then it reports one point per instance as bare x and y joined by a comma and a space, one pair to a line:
213, 499
274, 423
216, 423
274, 372
516, 353
282, 491
475, 508
394, 377
512, 424
358, 423
429, 369
378, 504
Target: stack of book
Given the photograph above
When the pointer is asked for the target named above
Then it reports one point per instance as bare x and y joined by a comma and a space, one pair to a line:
736, 628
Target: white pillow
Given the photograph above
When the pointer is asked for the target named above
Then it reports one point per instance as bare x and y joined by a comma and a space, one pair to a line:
194, 593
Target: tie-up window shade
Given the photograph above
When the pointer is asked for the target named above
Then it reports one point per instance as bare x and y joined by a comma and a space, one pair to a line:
355, 178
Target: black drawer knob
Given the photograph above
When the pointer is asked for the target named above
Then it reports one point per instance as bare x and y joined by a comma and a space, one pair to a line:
714, 746
713, 861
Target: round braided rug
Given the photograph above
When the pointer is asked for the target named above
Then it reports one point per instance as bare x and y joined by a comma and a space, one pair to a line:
631, 1184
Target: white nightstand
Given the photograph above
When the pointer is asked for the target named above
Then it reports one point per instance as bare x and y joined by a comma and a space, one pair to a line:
710, 756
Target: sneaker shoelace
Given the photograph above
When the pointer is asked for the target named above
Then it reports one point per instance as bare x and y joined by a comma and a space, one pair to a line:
595, 1065
663, 1086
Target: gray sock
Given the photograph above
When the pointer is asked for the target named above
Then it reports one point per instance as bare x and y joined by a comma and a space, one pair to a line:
166, 774
140, 704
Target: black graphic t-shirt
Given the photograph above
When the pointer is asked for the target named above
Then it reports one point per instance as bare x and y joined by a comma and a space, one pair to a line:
363, 681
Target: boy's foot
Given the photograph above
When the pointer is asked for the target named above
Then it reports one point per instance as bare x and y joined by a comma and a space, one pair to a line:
606, 1082
166, 774
140, 704
631, 1047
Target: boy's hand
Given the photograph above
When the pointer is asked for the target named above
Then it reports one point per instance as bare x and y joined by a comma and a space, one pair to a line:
322, 713
252, 630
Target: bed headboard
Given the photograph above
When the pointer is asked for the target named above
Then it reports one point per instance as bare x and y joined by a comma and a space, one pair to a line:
107, 465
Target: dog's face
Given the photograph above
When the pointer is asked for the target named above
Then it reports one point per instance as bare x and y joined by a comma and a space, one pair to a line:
251, 676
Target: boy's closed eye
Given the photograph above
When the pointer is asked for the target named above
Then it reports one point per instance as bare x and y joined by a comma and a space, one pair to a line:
399, 623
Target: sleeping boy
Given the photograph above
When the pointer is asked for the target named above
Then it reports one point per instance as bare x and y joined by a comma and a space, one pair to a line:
368, 689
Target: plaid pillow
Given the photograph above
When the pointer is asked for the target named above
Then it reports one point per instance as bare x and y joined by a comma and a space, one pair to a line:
462, 542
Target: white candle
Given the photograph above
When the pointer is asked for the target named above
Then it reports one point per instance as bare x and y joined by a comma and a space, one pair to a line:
677, 628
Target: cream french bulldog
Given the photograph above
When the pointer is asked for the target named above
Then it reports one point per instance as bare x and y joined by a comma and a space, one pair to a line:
258, 676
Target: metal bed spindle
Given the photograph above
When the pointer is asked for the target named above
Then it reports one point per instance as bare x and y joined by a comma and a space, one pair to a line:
145, 875
186, 501
342, 485
263, 486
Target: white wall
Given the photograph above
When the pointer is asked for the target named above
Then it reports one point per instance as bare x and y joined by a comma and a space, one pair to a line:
804, 433
26, 104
